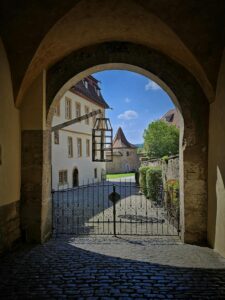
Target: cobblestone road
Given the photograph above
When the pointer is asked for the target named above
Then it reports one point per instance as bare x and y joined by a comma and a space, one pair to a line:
113, 268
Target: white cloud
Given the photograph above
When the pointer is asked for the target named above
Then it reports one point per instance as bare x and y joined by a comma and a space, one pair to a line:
151, 85
128, 115
122, 125
127, 100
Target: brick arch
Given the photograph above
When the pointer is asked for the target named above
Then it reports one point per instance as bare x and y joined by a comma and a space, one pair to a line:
183, 88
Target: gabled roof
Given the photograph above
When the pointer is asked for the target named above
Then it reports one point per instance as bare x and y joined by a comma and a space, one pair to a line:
120, 140
172, 117
91, 93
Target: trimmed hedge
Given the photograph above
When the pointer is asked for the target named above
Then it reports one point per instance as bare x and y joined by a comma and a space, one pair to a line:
153, 183
150, 181
142, 179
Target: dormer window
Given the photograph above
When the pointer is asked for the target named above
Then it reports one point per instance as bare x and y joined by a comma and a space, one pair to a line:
97, 90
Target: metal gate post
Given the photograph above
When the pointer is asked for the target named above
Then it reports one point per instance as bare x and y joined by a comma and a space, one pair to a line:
114, 212
178, 213
114, 197
53, 214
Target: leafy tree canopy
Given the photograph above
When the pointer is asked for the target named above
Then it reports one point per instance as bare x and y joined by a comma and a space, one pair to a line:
161, 139
140, 150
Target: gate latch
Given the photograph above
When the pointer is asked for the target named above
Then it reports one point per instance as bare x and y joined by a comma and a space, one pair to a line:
114, 196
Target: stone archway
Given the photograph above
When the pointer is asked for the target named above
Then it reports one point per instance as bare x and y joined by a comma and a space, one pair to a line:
180, 85
191, 101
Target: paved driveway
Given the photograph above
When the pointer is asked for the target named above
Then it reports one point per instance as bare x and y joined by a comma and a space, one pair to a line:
113, 268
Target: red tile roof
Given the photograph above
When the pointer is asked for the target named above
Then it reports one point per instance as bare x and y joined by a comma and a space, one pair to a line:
91, 93
120, 140
172, 117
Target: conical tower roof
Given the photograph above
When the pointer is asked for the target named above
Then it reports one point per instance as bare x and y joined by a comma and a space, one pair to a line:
120, 140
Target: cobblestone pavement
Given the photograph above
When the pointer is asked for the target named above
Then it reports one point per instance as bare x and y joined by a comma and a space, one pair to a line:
113, 268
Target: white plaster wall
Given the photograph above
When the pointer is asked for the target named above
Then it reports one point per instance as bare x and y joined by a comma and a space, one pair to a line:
216, 182
60, 159
9, 136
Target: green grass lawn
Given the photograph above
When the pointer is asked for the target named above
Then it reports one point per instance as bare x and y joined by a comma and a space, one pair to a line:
119, 175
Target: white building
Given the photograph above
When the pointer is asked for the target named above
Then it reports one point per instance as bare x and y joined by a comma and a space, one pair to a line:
72, 146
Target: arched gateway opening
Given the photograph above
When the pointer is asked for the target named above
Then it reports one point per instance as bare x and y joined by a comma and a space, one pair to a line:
186, 94
178, 46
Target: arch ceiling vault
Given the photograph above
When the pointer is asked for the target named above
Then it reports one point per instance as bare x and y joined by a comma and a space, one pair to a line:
38, 34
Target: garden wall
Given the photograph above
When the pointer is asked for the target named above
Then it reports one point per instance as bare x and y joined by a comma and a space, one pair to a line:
170, 167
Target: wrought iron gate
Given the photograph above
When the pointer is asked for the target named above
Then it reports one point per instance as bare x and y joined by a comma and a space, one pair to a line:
87, 210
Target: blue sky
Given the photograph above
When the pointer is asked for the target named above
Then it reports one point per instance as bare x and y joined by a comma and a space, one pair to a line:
135, 99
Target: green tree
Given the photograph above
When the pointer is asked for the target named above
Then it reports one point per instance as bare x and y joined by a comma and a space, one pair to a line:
161, 139
140, 150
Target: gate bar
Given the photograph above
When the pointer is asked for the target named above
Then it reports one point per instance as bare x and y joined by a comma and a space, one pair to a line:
114, 213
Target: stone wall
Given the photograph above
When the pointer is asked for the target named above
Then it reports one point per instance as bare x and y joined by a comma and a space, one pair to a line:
124, 160
170, 169
151, 163
9, 225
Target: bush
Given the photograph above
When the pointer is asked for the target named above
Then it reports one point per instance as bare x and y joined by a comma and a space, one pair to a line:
142, 179
154, 183
172, 189
150, 182
165, 158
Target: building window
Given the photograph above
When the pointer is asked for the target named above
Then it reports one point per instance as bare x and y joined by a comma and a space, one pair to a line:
56, 137
70, 146
57, 110
87, 148
86, 109
96, 173
78, 110
79, 147
128, 153
68, 113
63, 177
